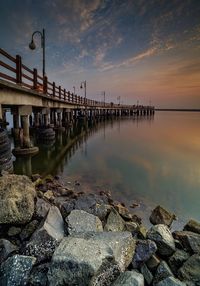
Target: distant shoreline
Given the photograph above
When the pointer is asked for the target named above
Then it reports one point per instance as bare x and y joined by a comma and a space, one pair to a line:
177, 109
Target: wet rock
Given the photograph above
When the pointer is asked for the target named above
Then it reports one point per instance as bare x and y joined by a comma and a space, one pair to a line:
189, 240
153, 262
191, 270
177, 260
28, 230
161, 216
42, 208
15, 270
6, 248
163, 238
44, 240
170, 281
14, 231
17, 194
144, 250
114, 222
81, 221
193, 226
38, 276
163, 271
129, 278
148, 277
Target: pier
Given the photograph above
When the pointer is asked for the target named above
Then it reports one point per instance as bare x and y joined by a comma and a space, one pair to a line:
35, 102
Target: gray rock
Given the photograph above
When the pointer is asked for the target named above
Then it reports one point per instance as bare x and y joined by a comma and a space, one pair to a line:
29, 229
15, 270
17, 194
163, 271
171, 281
66, 207
42, 208
144, 250
191, 269
6, 248
83, 258
114, 222
13, 230
193, 226
81, 221
38, 276
163, 238
148, 277
189, 240
161, 216
129, 278
44, 240
177, 260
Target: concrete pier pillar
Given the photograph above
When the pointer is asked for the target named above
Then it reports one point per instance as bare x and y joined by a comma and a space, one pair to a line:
16, 129
26, 135
36, 119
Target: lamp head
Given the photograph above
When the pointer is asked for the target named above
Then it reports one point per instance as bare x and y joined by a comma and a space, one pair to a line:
32, 45
81, 86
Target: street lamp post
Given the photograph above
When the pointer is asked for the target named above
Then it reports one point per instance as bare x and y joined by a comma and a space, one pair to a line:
32, 46
83, 85
104, 97
74, 89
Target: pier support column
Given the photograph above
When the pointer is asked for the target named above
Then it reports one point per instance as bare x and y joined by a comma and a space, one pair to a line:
26, 135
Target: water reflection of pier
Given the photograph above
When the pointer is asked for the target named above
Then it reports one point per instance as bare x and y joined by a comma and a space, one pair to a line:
53, 156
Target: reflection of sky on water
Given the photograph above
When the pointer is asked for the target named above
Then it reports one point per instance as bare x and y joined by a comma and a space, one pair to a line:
154, 161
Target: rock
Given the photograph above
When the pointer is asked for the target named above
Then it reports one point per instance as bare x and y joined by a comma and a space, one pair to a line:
28, 230
191, 269
35, 177
42, 208
38, 276
49, 195
161, 216
189, 240
144, 250
131, 226
171, 281
81, 221
129, 278
148, 277
163, 238
163, 271
44, 240
193, 226
142, 232
17, 194
114, 222
123, 211
15, 270
13, 230
153, 262
80, 258
66, 207
6, 248
177, 260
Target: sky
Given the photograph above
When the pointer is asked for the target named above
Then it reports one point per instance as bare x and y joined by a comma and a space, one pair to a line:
145, 51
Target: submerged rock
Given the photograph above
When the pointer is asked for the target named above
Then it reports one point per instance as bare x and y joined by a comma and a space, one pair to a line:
44, 240
81, 221
129, 278
15, 270
144, 250
17, 194
163, 238
161, 216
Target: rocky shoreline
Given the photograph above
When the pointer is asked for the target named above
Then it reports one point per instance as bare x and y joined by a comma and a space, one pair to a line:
53, 235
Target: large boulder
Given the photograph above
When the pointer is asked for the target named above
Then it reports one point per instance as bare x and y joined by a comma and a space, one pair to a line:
129, 278
44, 240
85, 258
81, 221
190, 271
15, 270
161, 216
144, 250
193, 226
189, 240
163, 238
17, 194
6, 248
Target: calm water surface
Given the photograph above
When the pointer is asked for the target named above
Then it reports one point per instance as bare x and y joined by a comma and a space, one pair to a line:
149, 160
